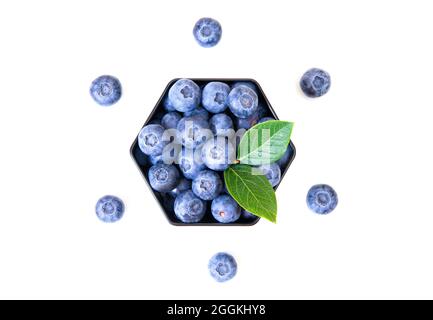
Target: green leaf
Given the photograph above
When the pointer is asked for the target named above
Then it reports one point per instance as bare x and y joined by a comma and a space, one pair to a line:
265, 142
250, 188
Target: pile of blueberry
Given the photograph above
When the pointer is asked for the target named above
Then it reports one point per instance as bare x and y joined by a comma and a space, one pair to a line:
191, 138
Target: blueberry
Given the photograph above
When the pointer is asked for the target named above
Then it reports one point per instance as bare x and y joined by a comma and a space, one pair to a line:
315, 82
207, 32
150, 139
225, 209
163, 177
207, 185
140, 157
106, 90
110, 209
221, 125
198, 112
188, 207
272, 172
248, 215
190, 162
170, 120
243, 101
265, 119
249, 84
167, 105
222, 267
218, 154
184, 184
193, 132
282, 162
214, 97
184, 95
322, 199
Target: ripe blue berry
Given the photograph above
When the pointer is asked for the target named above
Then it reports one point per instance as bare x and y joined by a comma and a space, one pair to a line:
218, 154
184, 95
322, 199
106, 90
207, 32
150, 139
222, 267
221, 125
207, 185
315, 82
170, 120
110, 209
225, 209
214, 96
272, 172
163, 177
190, 162
243, 101
193, 132
189, 208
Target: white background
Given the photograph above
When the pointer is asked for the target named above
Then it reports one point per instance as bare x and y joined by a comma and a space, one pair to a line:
370, 138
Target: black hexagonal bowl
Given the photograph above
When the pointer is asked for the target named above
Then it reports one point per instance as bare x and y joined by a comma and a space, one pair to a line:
165, 200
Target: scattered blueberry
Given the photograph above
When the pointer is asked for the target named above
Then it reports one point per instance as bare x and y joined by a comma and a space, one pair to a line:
170, 120
322, 199
214, 97
243, 101
106, 90
282, 162
265, 119
225, 209
315, 82
272, 172
163, 177
248, 215
222, 267
110, 209
193, 132
189, 208
190, 162
218, 153
207, 32
198, 112
207, 185
221, 125
150, 139
183, 185
184, 95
